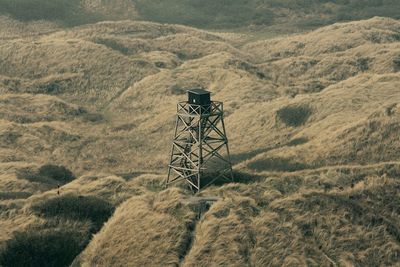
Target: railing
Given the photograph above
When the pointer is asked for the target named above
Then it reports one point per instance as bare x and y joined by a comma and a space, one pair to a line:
186, 109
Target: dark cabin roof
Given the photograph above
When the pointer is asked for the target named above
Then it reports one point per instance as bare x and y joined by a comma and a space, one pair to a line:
198, 91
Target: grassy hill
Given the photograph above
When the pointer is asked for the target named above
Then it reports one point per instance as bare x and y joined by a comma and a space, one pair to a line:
286, 15
237, 13
285, 221
86, 118
64, 11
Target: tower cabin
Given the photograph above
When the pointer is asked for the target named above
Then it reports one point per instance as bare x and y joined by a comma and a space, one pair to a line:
199, 97
199, 101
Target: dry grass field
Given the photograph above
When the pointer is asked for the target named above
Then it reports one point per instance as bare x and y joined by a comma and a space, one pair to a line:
87, 116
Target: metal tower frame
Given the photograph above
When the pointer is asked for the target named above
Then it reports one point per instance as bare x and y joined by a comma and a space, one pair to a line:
199, 137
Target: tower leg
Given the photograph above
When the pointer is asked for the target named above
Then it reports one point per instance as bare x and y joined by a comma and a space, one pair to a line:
227, 149
172, 154
200, 151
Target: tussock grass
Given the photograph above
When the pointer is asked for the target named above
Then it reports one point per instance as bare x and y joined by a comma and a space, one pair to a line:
281, 220
142, 224
13, 28
29, 108
297, 228
114, 189
223, 235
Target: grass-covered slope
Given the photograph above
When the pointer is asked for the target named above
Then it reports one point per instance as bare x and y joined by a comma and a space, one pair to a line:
52, 228
288, 15
327, 218
95, 97
86, 117
170, 222
238, 13
69, 12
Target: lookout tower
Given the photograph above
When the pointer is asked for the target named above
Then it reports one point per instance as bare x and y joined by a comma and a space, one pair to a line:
200, 153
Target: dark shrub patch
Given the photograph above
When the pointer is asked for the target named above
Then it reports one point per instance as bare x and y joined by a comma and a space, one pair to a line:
114, 45
314, 87
287, 184
78, 208
238, 177
49, 88
43, 247
176, 90
294, 115
391, 170
93, 117
298, 141
32, 175
307, 229
246, 178
277, 164
160, 64
363, 63
396, 63
223, 213
55, 172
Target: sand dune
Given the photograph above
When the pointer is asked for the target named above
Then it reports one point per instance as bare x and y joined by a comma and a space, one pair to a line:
313, 121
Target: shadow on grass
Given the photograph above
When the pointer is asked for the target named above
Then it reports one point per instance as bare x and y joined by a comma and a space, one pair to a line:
14, 195
238, 177
113, 44
70, 222
236, 158
297, 141
47, 174
52, 244
277, 164
295, 115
